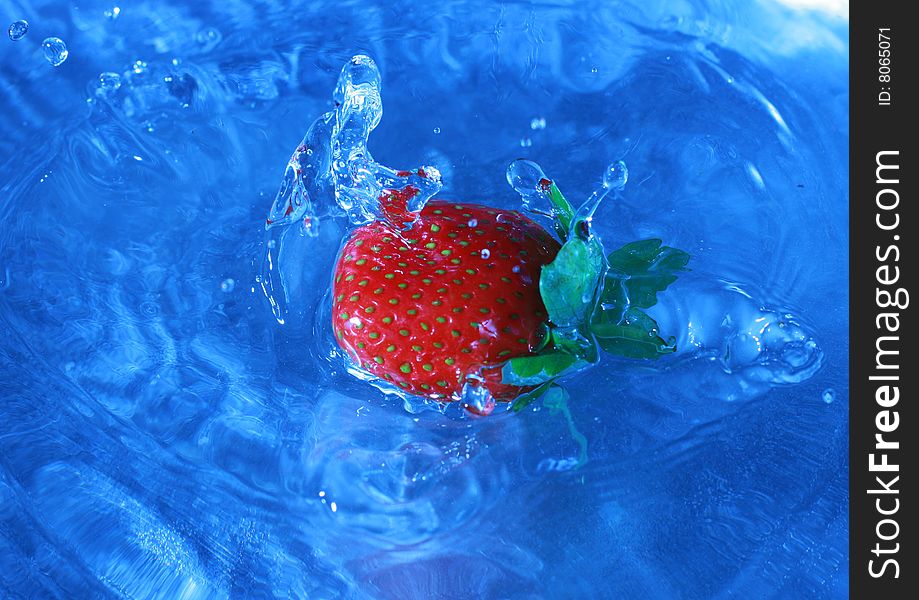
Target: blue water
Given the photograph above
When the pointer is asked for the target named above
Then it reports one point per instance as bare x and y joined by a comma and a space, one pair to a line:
163, 436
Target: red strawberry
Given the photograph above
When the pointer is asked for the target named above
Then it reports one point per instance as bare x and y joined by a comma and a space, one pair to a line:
454, 294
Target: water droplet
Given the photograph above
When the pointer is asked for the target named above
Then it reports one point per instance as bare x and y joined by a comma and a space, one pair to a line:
486, 253
616, 175
526, 143
112, 14
473, 223
437, 130
525, 177
18, 30
227, 285
538, 123
477, 397
55, 51
829, 395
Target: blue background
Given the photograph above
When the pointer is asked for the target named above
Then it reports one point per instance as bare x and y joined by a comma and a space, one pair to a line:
162, 436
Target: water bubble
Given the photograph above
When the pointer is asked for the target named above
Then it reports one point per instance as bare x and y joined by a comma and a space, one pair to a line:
108, 84
209, 37
486, 253
227, 285
538, 123
55, 51
616, 175
437, 130
829, 395
473, 223
18, 30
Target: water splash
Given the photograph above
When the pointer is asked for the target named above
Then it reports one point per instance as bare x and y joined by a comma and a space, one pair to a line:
750, 346
530, 181
332, 174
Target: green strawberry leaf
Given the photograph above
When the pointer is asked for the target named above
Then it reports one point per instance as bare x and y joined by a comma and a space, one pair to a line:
639, 271
524, 400
636, 335
538, 369
568, 284
572, 341
581, 320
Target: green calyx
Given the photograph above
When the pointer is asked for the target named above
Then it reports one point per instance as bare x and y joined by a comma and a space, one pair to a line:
594, 301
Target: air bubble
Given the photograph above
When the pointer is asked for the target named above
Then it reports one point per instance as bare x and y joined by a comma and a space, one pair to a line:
209, 37
18, 30
486, 253
437, 130
55, 51
227, 285
829, 395
112, 14
473, 223
526, 143
538, 123
139, 66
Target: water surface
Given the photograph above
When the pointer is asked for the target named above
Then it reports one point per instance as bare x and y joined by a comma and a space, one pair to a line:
161, 435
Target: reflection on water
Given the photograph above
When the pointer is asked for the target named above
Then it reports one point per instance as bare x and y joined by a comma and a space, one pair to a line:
163, 434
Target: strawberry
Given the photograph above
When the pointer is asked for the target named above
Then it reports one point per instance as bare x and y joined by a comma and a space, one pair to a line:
454, 295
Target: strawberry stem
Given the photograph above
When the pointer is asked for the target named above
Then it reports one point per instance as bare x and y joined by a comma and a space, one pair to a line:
563, 210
